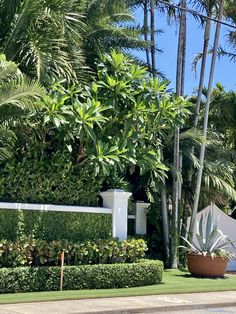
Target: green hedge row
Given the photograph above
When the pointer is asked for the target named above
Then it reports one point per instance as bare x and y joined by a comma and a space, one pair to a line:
42, 253
54, 180
27, 279
51, 226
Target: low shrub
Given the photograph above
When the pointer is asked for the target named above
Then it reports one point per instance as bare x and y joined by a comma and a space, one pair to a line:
31, 279
42, 253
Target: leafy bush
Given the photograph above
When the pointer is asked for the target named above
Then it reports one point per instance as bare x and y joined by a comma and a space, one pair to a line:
26, 279
53, 181
38, 252
52, 226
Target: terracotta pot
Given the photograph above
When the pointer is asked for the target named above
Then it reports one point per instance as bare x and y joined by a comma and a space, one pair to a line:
207, 266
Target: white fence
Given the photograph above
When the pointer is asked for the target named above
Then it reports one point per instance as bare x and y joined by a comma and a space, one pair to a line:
115, 202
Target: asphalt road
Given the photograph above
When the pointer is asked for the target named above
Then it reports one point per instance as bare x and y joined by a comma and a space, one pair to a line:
221, 310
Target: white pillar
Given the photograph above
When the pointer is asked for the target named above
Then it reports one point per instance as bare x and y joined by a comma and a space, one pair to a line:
117, 200
141, 218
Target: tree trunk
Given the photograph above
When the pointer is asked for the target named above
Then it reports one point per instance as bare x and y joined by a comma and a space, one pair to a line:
145, 30
203, 67
153, 48
165, 221
176, 182
184, 21
205, 122
201, 82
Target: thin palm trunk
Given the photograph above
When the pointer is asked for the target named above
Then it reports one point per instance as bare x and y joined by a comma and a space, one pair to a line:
184, 21
165, 221
152, 24
205, 122
201, 82
145, 28
176, 183
203, 67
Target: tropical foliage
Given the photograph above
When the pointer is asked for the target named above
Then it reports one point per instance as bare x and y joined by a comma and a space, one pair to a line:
30, 252
114, 125
18, 96
60, 39
105, 120
210, 240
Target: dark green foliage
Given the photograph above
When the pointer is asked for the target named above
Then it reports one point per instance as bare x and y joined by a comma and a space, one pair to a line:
53, 182
51, 226
42, 253
82, 135
26, 279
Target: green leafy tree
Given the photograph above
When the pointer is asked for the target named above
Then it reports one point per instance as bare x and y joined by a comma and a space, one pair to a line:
116, 124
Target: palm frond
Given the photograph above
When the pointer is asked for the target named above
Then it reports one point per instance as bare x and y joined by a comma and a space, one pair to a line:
220, 184
223, 53
8, 70
193, 134
219, 175
7, 141
21, 92
197, 59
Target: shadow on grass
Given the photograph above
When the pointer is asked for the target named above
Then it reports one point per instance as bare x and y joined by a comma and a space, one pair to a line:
199, 277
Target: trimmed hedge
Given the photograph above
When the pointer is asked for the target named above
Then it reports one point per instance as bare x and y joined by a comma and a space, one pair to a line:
42, 253
53, 179
52, 226
31, 279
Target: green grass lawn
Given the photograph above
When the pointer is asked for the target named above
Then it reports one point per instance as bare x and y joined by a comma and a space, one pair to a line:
174, 281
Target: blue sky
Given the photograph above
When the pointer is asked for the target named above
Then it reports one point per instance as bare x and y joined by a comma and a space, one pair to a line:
166, 62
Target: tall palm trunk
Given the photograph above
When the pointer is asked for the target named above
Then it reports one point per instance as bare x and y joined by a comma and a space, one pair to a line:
165, 221
165, 218
203, 67
205, 122
145, 29
201, 82
176, 183
184, 21
152, 67
152, 24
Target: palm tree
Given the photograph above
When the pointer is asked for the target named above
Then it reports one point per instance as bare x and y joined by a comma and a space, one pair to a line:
180, 76
18, 96
211, 8
52, 39
231, 35
146, 32
39, 35
152, 31
16, 90
205, 123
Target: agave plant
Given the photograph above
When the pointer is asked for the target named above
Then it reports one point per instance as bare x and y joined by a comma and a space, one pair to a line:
208, 239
